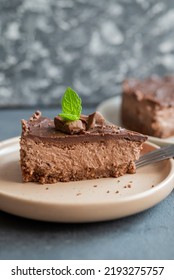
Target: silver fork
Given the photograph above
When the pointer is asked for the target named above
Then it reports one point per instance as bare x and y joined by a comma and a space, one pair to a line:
156, 155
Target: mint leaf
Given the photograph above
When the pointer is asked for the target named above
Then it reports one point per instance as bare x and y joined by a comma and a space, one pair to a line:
68, 117
71, 105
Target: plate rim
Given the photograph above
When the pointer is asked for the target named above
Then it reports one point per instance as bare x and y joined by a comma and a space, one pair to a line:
116, 98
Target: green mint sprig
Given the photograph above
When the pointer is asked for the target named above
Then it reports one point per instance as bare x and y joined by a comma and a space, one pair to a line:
71, 105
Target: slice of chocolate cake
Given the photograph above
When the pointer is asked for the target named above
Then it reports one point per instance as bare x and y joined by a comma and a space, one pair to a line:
148, 106
88, 148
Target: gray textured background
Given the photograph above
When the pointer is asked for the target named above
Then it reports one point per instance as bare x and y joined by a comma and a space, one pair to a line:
47, 45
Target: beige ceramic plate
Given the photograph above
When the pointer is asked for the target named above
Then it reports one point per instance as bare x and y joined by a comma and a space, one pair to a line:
83, 201
110, 109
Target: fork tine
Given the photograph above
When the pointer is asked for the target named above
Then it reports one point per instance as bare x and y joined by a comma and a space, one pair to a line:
156, 155
162, 151
151, 158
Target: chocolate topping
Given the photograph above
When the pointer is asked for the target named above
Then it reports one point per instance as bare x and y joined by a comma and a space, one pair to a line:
84, 118
70, 127
44, 128
95, 120
36, 116
81, 126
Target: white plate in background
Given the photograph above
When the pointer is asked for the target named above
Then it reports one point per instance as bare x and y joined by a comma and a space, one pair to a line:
111, 110
81, 201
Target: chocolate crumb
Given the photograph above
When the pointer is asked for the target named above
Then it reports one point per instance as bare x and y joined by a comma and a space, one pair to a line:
118, 181
152, 186
117, 192
78, 194
107, 191
128, 186
47, 188
95, 186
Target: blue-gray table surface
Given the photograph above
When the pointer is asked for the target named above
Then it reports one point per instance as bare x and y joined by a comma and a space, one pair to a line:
147, 235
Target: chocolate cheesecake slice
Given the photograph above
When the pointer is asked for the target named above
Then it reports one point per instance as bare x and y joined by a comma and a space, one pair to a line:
88, 148
148, 106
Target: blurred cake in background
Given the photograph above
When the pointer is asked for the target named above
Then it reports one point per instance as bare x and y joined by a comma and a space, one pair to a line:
148, 106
